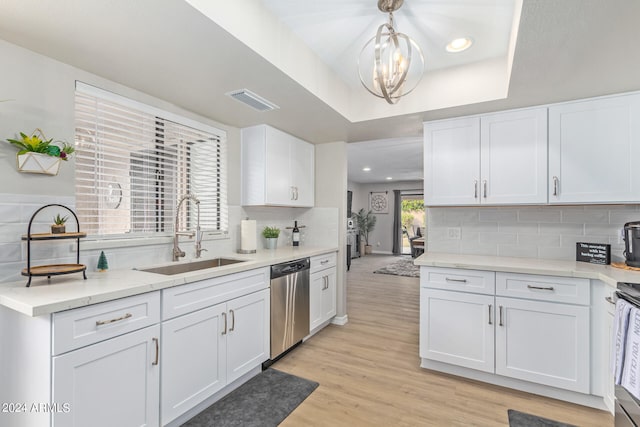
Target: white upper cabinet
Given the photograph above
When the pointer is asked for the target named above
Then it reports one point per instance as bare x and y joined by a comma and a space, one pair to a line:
513, 163
452, 162
495, 159
277, 168
593, 146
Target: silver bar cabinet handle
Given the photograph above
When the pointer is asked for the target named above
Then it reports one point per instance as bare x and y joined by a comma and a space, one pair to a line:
475, 188
490, 322
155, 362
233, 320
500, 324
106, 322
555, 185
484, 188
542, 288
455, 280
225, 323
610, 300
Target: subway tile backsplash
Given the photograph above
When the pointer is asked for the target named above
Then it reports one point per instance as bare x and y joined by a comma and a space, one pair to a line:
322, 229
547, 232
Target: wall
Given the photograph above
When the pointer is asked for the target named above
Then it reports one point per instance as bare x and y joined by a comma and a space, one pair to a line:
381, 238
548, 232
41, 95
331, 193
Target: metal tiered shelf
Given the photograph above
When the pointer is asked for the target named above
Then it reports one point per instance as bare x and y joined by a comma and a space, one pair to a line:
53, 269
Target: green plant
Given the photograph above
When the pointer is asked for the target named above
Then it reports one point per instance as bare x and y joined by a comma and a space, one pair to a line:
271, 232
38, 143
366, 223
60, 220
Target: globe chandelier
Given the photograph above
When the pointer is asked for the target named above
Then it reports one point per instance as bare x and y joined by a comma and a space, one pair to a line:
390, 64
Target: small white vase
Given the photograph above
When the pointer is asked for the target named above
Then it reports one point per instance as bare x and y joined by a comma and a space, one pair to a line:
38, 163
271, 242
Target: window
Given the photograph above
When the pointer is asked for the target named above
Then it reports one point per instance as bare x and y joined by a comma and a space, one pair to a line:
134, 162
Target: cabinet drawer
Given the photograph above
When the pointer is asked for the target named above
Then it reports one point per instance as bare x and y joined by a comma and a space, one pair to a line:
320, 262
88, 325
544, 288
453, 279
184, 299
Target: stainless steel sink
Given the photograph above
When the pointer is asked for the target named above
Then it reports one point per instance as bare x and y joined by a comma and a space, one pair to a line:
191, 266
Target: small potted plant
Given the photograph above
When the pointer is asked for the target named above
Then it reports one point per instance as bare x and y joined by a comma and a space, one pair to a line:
58, 224
270, 235
37, 154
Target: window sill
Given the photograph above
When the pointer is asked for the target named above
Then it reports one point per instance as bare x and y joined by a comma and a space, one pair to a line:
104, 243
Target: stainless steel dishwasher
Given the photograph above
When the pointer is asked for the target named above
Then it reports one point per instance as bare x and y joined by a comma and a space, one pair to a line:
289, 305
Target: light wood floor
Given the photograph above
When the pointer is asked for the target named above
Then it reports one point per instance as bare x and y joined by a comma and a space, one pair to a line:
369, 371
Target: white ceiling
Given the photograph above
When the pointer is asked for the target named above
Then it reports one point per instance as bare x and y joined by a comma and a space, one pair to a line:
336, 30
187, 52
398, 158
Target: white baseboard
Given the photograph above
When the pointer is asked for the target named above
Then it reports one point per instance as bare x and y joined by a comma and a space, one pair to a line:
340, 320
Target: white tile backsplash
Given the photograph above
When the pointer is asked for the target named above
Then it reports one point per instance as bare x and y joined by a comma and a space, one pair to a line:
322, 229
547, 232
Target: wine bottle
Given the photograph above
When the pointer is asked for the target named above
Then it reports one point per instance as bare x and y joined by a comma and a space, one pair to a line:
295, 235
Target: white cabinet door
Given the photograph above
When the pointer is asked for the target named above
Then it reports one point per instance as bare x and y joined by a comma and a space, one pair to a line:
457, 328
302, 173
248, 333
279, 189
514, 157
322, 297
278, 169
112, 383
609, 377
193, 360
593, 149
452, 162
329, 295
316, 286
543, 342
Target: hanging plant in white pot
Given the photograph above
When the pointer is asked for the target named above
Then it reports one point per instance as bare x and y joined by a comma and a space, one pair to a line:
40, 155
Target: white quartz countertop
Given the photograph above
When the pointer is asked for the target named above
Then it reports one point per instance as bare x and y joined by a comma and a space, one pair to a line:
72, 291
606, 273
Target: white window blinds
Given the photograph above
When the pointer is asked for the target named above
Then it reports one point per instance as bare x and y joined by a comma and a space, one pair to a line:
134, 162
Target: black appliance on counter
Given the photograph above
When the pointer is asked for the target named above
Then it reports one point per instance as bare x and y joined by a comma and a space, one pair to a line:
627, 407
632, 243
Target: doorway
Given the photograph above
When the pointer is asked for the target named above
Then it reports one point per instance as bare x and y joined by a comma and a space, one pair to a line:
414, 217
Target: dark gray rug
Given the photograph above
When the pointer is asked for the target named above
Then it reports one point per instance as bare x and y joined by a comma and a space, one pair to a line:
403, 267
520, 419
263, 401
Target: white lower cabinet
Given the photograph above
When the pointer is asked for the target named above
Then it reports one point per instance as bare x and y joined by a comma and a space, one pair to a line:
527, 339
542, 342
248, 342
205, 350
609, 377
112, 383
193, 360
322, 290
457, 328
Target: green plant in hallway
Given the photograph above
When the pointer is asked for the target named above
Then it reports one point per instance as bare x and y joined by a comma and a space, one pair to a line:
366, 223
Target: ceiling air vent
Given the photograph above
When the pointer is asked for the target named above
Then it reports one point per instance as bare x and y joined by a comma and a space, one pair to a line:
252, 100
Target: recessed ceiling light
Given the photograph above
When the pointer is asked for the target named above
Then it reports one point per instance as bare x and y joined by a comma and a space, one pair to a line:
459, 44
389, 178
366, 168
